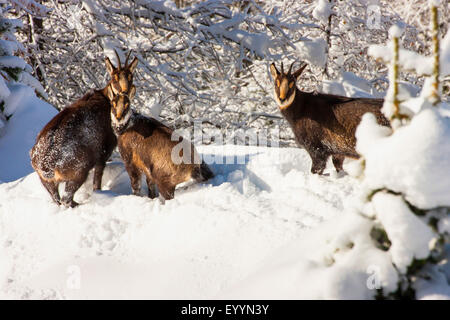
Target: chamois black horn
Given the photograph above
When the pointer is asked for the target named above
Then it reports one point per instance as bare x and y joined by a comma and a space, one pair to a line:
118, 60
126, 61
290, 68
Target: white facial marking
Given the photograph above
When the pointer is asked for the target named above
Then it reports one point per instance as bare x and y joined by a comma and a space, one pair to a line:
123, 121
286, 103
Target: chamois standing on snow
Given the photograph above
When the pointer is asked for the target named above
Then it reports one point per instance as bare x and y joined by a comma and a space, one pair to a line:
146, 147
80, 138
323, 124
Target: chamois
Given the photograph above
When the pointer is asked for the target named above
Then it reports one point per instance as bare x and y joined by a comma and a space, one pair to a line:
80, 138
146, 147
323, 124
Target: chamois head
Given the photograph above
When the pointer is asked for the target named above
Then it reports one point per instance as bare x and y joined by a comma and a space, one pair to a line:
120, 108
285, 84
121, 77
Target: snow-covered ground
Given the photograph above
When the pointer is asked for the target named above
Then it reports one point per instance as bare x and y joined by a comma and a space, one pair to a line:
207, 239
264, 227
116, 245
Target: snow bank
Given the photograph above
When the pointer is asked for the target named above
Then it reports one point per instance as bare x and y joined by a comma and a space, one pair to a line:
348, 257
414, 161
201, 243
402, 228
334, 261
29, 115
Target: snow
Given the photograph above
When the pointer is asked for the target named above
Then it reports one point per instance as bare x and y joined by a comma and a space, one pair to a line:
312, 51
445, 55
12, 62
401, 229
350, 85
205, 240
29, 115
263, 228
322, 11
196, 246
434, 3
318, 264
410, 60
418, 169
396, 31
4, 90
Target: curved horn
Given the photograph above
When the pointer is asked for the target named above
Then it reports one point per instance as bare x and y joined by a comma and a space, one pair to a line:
126, 61
290, 68
118, 60
282, 71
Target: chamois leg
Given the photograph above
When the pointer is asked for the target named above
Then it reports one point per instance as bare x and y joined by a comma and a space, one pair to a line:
71, 187
151, 188
166, 190
135, 178
52, 188
98, 174
319, 162
338, 161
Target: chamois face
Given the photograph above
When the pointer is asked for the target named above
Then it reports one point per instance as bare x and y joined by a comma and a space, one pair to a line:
121, 77
120, 108
285, 85
120, 91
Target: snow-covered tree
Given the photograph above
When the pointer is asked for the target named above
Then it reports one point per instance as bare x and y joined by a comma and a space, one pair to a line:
403, 169
208, 60
13, 68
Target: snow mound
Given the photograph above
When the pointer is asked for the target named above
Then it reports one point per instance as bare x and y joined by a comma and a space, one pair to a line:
116, 245
417, 171
29, 116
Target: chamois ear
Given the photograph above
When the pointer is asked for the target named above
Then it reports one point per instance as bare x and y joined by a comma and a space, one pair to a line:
109, 66
132, 92
297, 73
110, 93
133, 65
274, 71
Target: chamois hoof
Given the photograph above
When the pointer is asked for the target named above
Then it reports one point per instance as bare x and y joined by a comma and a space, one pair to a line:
70, 204
318, 171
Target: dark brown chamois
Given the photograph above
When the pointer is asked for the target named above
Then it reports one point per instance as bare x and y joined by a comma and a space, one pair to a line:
146, 147
80, 138
323, 124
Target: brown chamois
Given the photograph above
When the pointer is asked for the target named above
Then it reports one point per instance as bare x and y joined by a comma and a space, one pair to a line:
323, 124
80, 138
146, 147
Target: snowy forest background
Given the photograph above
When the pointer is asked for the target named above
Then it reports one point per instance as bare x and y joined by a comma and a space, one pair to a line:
208, 60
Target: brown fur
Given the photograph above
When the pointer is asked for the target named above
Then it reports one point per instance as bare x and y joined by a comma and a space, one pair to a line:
146, 148
76, 140
324, 124
146, 145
